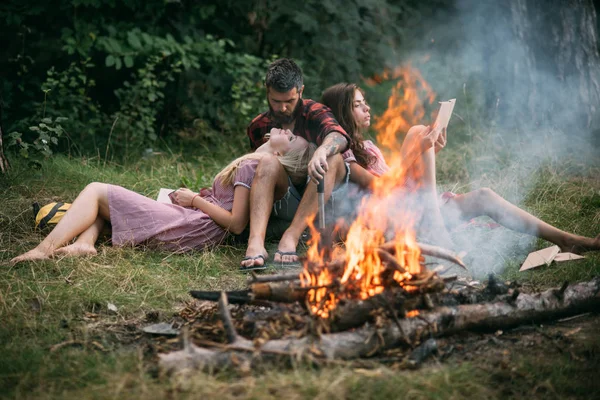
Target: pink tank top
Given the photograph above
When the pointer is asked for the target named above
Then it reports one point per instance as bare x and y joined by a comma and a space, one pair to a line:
379, 167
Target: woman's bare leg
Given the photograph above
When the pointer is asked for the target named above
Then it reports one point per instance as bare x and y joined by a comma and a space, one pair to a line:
424, 175
486, 202
84, 245
91, 203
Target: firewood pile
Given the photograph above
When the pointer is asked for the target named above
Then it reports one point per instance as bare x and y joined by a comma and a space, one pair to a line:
294, 316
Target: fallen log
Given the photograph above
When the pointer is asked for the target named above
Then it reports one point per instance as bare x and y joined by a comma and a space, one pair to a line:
368, 340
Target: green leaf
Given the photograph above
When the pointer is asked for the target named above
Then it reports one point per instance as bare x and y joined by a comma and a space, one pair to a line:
128, 61
147, 38
115, 45
118, 63
134, 41
110, 60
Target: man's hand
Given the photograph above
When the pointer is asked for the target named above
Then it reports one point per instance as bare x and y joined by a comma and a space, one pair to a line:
317, 166
333, 143
440, 143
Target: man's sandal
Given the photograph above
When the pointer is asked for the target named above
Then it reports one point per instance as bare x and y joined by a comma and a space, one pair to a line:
254, 267
286, 264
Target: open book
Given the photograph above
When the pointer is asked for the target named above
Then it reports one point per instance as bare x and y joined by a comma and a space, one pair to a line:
443, 117
547, 256
163, 196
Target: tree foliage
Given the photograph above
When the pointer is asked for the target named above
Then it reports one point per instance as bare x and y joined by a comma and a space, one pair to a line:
116, 77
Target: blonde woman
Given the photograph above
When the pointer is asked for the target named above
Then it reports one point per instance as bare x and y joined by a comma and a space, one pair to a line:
198, 221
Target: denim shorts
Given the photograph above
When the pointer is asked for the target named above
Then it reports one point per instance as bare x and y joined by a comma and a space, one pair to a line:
285, 208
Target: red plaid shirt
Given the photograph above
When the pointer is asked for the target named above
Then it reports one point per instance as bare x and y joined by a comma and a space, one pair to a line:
314, 123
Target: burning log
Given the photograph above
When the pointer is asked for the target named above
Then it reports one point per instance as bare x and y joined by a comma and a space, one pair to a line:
429, 250
281, 292
368, 340
352, 314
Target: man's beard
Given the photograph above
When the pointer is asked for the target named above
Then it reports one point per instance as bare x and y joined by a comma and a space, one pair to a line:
283, 119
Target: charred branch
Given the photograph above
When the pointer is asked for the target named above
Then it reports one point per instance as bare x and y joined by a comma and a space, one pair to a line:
255, 278
232, 335
429, 250
280, 292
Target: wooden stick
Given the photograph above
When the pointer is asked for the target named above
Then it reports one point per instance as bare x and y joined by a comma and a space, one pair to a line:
232, 334
429, 250
255, 278
387, 257
273, 291
233, 346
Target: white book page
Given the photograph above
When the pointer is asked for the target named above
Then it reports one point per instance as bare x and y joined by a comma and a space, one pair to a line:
163, 196
443, 117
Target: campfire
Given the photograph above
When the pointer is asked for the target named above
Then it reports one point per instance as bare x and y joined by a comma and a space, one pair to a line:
369, 264
374, 293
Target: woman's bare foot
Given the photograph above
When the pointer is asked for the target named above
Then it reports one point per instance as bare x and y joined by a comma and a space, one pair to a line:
76, 250
256, 254
31, 255
580, 244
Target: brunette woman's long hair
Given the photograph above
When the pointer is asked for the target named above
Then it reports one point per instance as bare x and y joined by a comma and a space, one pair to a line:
340, 98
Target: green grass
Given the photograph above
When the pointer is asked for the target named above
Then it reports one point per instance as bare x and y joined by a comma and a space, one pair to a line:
46, 303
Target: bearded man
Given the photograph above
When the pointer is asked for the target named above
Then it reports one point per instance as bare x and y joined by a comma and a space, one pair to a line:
272, 192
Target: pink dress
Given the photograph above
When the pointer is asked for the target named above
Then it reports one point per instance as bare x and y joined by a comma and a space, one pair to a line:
137, 219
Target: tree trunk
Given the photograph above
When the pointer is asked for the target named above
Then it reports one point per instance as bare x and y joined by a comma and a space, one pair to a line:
4, 165
542, 59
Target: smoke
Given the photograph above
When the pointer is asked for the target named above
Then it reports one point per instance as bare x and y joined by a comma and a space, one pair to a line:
517, 110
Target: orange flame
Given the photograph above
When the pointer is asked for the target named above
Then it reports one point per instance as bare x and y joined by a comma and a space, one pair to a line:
405, 108
362, 272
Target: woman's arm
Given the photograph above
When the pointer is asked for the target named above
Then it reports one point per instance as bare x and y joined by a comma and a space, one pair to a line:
360, 176
418, 139
234, 221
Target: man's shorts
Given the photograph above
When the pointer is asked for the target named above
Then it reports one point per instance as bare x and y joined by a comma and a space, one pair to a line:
285, 208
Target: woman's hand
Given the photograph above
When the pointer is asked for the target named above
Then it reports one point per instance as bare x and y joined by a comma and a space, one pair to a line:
421, 138
440, 143
184, 197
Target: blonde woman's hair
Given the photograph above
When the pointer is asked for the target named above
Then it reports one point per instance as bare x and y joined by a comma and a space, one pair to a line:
295, 163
